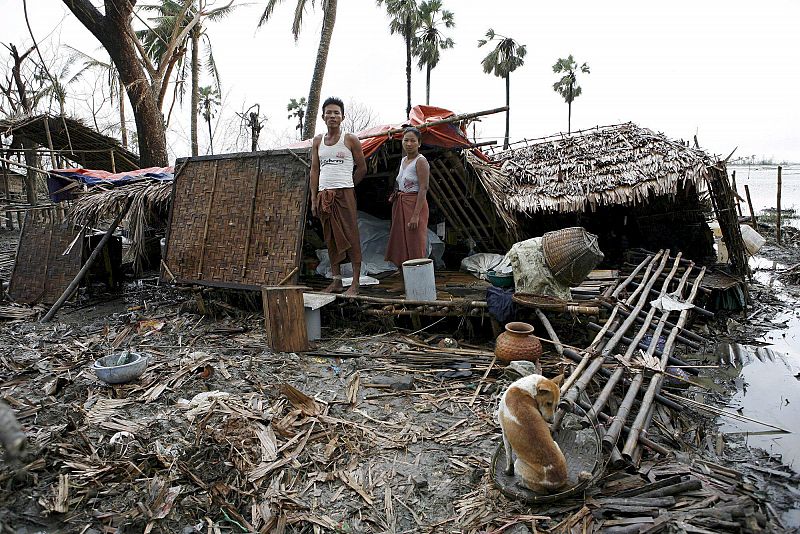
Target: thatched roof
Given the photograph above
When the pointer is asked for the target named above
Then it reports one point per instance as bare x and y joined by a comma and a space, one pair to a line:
74, 141
612, 165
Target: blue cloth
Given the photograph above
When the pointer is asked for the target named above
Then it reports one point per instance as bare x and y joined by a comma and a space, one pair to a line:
500, 303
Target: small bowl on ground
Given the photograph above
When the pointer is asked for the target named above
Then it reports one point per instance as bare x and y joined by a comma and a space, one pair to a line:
120, 367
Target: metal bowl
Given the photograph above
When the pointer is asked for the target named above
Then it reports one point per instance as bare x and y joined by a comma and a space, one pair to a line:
500, 279
120, 367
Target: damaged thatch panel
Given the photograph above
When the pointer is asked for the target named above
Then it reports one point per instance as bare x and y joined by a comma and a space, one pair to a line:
613, 165
74, 141
237, 220
50, 254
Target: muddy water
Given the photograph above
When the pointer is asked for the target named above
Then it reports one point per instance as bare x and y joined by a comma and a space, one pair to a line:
762, 182
768, 384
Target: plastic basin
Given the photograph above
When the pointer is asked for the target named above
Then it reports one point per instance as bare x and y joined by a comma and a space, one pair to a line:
120, 367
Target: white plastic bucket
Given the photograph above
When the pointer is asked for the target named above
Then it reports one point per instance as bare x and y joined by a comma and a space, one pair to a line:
753, 241
419, 279
313, 324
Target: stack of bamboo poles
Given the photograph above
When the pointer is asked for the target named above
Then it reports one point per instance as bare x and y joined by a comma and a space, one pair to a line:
635, 316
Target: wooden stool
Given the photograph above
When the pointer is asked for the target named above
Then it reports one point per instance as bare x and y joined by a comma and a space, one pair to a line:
284, 318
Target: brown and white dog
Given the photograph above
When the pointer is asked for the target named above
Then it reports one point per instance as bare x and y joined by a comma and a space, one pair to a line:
525, 408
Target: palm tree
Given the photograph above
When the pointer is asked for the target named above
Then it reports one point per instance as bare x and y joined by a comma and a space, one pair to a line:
209, 100
506, 57
430, 40
116, 88
298, 109
405, 19
568, 86
328, 22
172, 13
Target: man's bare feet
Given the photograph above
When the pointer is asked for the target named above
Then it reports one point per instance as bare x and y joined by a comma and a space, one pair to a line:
334, 287
352, 290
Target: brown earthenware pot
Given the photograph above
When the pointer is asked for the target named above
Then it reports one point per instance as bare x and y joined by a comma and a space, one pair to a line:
518, 343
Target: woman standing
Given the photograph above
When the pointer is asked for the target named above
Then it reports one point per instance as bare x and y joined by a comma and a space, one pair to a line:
408, 238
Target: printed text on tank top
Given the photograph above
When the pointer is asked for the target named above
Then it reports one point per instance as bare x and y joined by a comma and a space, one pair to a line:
407, 179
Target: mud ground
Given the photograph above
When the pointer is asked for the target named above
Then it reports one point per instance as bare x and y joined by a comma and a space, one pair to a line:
388, 444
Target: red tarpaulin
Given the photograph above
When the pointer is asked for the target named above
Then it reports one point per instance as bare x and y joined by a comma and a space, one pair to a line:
442, 135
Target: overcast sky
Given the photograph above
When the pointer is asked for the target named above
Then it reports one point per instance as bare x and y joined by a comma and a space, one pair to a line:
728, 72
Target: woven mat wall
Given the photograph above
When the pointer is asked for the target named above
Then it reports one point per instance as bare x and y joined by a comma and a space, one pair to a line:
42, 272
237, 221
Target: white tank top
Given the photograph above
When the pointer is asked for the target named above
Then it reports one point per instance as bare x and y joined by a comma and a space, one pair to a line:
335, 165
407, 179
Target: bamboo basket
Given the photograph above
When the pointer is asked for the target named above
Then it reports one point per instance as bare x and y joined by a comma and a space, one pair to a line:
571, 254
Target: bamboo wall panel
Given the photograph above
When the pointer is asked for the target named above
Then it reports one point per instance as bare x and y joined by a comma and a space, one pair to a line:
237, 221
42, 271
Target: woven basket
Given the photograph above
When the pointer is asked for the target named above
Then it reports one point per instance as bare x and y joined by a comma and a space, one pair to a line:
542, 302
571, 254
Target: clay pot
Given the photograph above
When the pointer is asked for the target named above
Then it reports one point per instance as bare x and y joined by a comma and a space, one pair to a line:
518, 343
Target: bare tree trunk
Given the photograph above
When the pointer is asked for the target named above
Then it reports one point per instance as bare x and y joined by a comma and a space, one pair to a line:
113, 30
314, 93
122, 127
195, 90
508, 112
31, 160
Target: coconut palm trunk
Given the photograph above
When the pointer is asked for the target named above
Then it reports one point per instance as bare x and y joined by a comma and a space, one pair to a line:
408, 66
508, 111
195, 87
569, 111
428, 85
314, 93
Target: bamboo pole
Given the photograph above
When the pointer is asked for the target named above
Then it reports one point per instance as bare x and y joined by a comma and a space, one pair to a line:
575, 357
571, 395
736, 196
552, 333
750, 205
675, 362
778, 209
454, 118
692, 338
610, 438
86, 266
201, 260
251, 214
639, 424
695, 308
463, 303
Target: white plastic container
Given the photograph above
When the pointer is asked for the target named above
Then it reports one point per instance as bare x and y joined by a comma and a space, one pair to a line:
753, 241
419, 279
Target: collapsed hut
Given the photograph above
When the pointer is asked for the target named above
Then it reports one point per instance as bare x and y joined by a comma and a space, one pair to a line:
627, 184
65, 139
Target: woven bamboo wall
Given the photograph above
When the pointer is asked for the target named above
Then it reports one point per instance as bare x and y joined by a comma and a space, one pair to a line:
42, 272
237, 220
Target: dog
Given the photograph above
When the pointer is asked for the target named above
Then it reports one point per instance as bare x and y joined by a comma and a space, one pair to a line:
525, 408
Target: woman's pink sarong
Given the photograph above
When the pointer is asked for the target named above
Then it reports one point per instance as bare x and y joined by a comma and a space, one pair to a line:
404, 243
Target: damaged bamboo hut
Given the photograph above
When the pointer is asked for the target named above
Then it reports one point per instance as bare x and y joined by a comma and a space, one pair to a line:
66, 139
629, 185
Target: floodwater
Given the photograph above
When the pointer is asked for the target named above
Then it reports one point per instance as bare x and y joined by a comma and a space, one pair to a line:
768, 381
762, 181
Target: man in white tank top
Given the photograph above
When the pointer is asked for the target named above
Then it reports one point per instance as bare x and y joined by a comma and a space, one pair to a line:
337, 166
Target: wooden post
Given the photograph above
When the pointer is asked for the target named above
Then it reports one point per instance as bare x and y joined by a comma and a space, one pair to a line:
5, 179
114, 164
86, 266
778, 209
750, 205
284, 318
46, 121
736, 196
